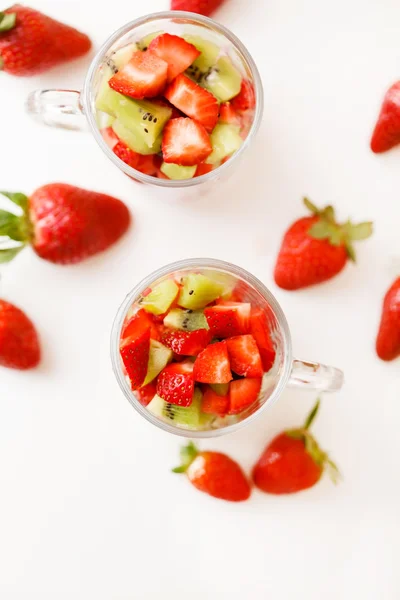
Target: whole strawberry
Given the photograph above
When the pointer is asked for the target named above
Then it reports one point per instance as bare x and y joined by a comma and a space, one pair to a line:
214, 473
292, 462
19, 344
201, 7
64, 224
316, 248
388, 340
386, 134
31, 42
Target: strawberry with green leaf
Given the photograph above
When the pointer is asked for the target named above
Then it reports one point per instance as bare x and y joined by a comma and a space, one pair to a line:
316, 248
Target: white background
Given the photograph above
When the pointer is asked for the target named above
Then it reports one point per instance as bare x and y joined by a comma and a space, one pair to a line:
88, 506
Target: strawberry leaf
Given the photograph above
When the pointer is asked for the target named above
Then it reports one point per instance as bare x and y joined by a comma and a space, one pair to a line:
7, 254
188, 454
361, 231
312, 415
12, 226
320, 230
311, 207
19, 199
7, 21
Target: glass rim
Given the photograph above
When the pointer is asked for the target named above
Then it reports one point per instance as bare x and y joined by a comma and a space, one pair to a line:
88, 99
208, 263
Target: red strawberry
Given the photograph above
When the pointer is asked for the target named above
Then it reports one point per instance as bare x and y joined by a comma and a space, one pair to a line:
144, 76
386, 134
227, 114
144, 320
110, 137
176, 51
316, 248
185, 142
147, 164
242, 394
244, 356
214, 404
203, 169
212, 365
388, 340
292, 462
188, 343
31, 42
228, 318
19, 344
214, 473
175, 383
259, 329
146, 394
194, 101
201, 7
64, 224
246, 98
135, 351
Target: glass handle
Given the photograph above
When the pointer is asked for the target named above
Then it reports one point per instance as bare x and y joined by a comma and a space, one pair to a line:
57, 108
314, 376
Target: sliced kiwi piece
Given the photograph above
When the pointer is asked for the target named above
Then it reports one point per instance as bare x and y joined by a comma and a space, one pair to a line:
223, 80
188, 320
134, 139
187, 418
207, 58
221, 389
104, 120
225, 140
145, 42
160, 298
119, 58
159, 357
198, 291
104, 100
173, 171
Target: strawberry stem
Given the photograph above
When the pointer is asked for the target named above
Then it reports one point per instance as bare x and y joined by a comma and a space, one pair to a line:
312, 415
7, 21
15, 229
188, 454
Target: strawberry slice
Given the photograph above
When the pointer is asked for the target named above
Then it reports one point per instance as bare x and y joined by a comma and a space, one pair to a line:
228, 319
143, 320
214, 404
135, 352
175, 384
176, 52
203, 169
242, 394
194, 101
244, 356
212, 365
259, 329
110, 137
185, 142
144, 76
386, 134
188, 343
128, 156
146, 394
246, 98
227, 114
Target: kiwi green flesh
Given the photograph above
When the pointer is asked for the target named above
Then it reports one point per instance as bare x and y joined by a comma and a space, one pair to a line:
187, 418
198, 291
134, 141
206, 60
187, 320
119, 58
160, 298
145, 42
223, 80
159, 357
177, 172
225, 141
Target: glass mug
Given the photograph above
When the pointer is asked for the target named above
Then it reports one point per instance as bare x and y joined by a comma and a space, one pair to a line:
66, 108
285, 371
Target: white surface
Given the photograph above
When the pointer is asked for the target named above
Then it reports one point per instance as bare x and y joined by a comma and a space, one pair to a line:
88, 506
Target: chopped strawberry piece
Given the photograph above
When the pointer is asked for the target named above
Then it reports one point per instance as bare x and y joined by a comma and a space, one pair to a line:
203, 169
176, 114
242, 394
227, 114
176, 51
228, 319
144, 76
189, 343
212, 365
127, 155
246, 98
259, 329
175, 384
246, 121
142, 319
185, 142
240, 292
135, 352
214, 404
110, 137
147, 164
194, 101
244, 356
146, 394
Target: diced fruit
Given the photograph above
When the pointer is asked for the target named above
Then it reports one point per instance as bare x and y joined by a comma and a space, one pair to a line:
109, 137
188, 343
135, 355
194, 101
244, 356
119, 58
187, 320
198, 291
242, 394
225, 140
259, 329
227, 114
176, 52
141, 319
186, 417
144, 76
146, 394
175, 384
223, 80
161, 297
212, 365
134, 139
177, 172
127, 155
203, 169
145, 42
228, 319
148, 164
215, 404
246, 99
185, 142
222, 389
207, 58
159, 357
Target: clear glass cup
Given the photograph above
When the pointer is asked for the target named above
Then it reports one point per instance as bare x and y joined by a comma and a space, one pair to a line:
67, 108
286, 370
